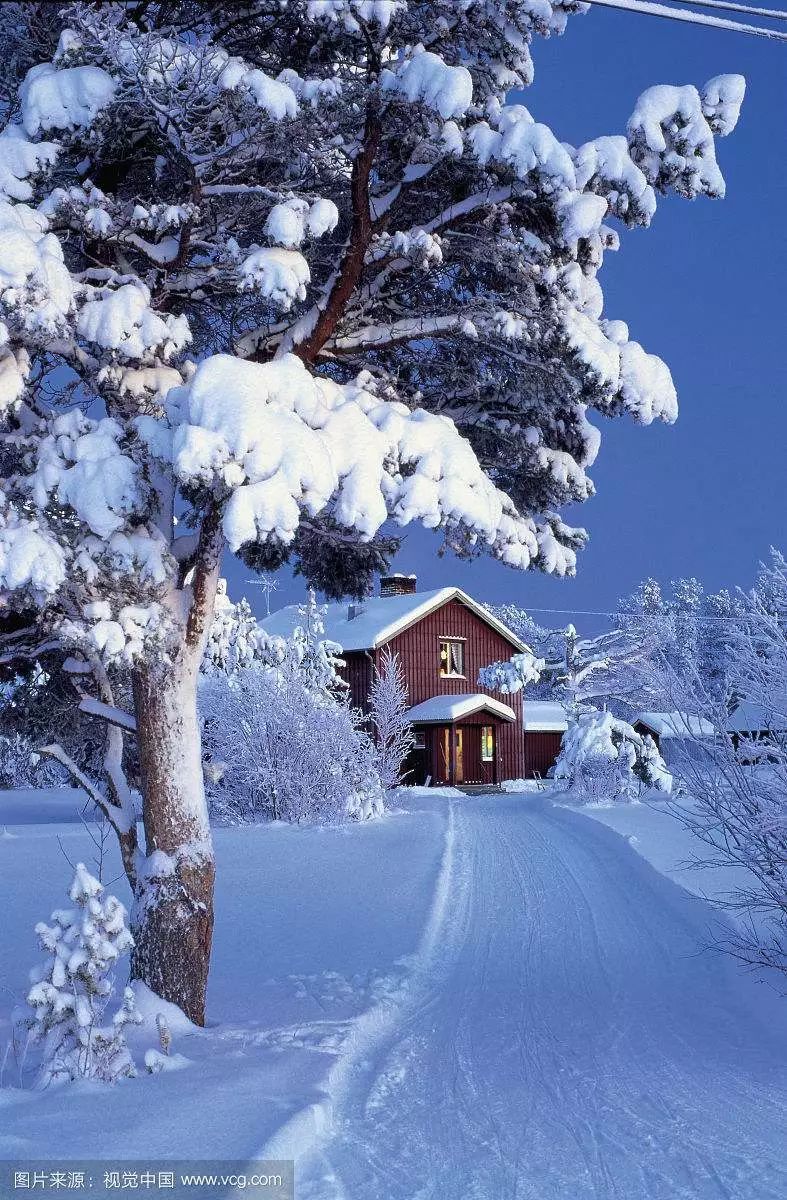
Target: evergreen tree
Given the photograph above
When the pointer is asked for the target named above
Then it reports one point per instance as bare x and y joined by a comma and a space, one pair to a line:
72, 990
386, 277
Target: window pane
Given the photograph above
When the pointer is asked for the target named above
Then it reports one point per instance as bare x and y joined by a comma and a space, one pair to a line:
452, 658
487, 743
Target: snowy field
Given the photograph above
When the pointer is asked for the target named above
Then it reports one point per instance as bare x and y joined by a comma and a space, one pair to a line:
481, 997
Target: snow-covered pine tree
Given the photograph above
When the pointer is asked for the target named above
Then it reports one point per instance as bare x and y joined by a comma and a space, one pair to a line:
604, 758
388, 707
72, 990
387, 276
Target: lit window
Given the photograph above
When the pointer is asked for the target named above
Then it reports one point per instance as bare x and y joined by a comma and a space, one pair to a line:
487, 743
452, 658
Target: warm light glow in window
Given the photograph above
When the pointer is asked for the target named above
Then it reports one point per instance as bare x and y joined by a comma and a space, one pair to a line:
452, 658
487, 743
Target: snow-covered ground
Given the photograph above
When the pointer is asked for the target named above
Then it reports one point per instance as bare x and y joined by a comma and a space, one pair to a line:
486, 997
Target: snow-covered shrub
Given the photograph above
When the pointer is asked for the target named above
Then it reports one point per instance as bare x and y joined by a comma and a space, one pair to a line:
281, 751
388, 712
71, 992
280, 740
602, 757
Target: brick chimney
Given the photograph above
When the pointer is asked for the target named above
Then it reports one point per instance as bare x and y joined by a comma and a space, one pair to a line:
398, 585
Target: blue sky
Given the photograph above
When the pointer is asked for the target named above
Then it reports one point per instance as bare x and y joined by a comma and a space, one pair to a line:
704, 288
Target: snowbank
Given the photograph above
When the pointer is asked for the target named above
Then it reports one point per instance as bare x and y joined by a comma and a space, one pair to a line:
313, 928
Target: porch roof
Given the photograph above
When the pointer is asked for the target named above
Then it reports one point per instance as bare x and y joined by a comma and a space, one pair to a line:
439, 709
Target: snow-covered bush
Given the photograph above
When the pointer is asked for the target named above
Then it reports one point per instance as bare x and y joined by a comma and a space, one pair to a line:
602, 757
280, 740
393, 733
281, 751
72, 991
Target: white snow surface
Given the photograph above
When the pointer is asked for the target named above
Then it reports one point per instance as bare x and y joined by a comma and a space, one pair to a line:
451, 708
124, 322
523, 1011
19, 159
369, 623
676, 724
543, 716
427, 78
752, 717
288, 443
64, 99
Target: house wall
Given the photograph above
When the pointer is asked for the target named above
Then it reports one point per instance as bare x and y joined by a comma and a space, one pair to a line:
418, 648
541, 750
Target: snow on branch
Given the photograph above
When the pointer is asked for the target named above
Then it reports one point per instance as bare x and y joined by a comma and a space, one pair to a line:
280, 442
107, 712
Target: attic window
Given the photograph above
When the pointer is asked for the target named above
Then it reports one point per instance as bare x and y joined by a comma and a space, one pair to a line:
452, 659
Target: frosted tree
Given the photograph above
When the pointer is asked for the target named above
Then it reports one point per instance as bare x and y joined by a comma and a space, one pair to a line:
738, 780
388, 707
386, 277
604, 758
71, 992
587, 672
691, 634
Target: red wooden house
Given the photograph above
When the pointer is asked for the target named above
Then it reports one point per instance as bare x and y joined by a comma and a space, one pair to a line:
464, 733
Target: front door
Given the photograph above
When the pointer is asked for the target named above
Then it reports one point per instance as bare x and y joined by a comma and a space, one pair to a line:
465, 754
451, 746
459, 754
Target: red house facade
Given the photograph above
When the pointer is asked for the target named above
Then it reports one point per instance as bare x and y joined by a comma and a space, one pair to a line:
465, 734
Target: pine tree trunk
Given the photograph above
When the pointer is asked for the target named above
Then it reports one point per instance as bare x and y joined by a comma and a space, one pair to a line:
173, 911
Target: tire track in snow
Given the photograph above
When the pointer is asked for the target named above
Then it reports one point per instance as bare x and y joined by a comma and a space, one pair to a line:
354, 1074
557, 1039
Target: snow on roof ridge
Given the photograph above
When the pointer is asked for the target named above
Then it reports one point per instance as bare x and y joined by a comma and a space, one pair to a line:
368, 629
544, 716
676, 724
447, 707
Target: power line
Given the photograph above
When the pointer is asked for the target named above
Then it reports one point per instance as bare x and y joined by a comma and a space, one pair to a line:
683, 14
773, 14
590, 612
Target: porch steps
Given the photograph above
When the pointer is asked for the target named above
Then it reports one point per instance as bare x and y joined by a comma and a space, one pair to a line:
480, 789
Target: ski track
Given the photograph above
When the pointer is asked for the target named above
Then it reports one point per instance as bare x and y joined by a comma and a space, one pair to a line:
560, 1037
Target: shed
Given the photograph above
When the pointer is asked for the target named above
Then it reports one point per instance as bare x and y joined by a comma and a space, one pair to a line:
544, 723
676, 734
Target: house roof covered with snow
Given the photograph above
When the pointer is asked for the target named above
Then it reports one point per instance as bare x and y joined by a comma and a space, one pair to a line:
750, 717
543, 716
675, 724
451, 708
369, 623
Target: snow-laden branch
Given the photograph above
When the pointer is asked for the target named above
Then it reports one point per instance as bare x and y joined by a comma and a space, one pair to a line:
117, 818
107, 712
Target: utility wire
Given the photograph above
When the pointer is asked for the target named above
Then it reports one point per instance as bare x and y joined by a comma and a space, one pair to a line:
693, 18
590, 612
774, 14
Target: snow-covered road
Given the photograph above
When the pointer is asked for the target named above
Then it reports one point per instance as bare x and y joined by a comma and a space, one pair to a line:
561, 1037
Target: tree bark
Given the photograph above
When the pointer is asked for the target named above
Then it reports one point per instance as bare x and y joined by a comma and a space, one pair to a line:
173, 911
172, 920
